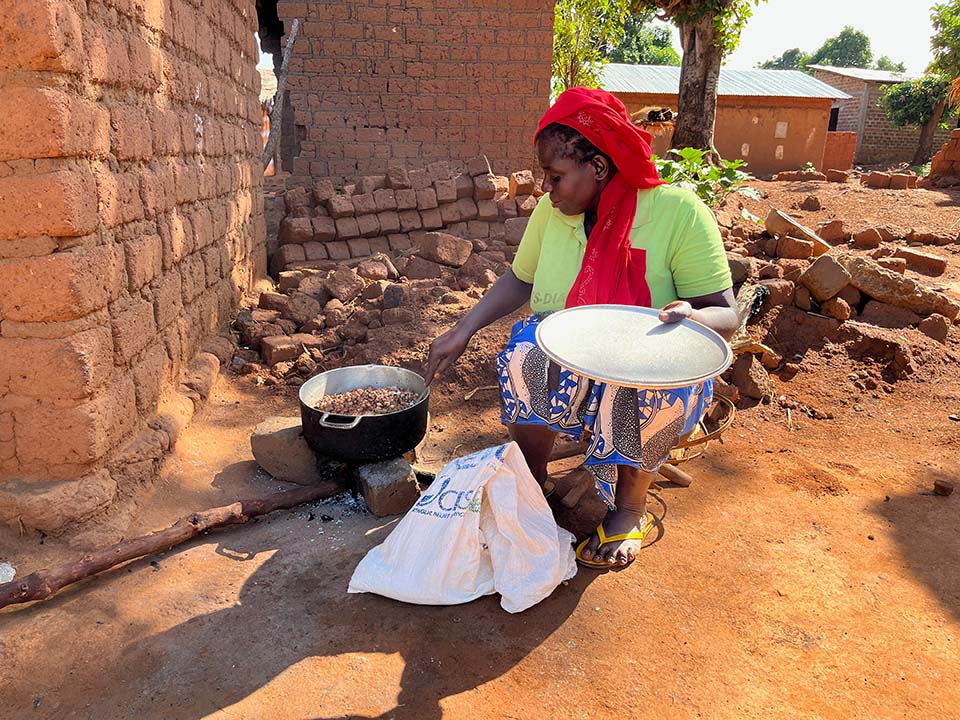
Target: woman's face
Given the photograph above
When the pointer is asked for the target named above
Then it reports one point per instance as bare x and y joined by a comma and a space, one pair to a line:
574, 186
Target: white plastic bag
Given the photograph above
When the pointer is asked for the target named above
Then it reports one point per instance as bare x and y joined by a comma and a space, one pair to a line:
483, 526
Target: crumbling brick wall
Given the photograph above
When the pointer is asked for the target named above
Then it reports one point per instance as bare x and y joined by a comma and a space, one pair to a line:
130, 220
375, 84
945, 165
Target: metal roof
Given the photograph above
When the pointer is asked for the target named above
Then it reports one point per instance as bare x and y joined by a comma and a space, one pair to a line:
881, 76
665, 79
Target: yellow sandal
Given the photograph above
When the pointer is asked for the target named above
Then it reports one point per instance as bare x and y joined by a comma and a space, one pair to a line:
604, 539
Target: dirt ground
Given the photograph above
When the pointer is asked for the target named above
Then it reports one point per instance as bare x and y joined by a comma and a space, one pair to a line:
807, 572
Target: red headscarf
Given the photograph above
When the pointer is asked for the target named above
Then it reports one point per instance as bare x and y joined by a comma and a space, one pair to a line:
612, 272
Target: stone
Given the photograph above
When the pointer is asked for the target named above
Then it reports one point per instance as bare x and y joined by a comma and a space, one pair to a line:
445, 249
751, 377
929, 238
295, 231
794, 248
837, 308
888, 316
353, 332
897, 265
344, 284
811, 203
802, 299
792, 268
741, 268
301, 308
873, 280
280, 449
935, 326
514, 229
922, 262
278, 348
273, 301
394, 296
944, 488
334, 313
397, 316
290, 280
419, 268
825, 278
781, 293
868, 238
372, 270
851, 296
315, 286
389, 487
771, 271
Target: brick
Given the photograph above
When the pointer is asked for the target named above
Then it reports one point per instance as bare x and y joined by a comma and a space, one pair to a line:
57, 125
48, 36
514, 228
368, 225
450, 213
278, 348
526, 205
347, 227
380, 244
446, 191
431, 219
56, 204
825, 278
877, 180
338, 250
295, 230
385, 199
410, 220
487, 210
62, 286
324, 229
85, 432
323, 190
370, 183
420, 179
57, 368
898, 265
478, 229
439, 170
364, 204
479, 166
794, 248
399, 242
922, 262
340, 206
468, 208
359, 247
133, 327
143, 256
445, 249
485, 188
389, 222
406, 199
397, 178
521, 183
868, 238
427, 199
508, 208
464, 185
900, 181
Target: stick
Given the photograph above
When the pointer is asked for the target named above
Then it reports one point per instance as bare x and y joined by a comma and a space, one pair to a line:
44, 583
277, 110
675, 475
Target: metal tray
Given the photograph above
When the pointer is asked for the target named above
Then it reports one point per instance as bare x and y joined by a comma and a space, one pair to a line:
629, 346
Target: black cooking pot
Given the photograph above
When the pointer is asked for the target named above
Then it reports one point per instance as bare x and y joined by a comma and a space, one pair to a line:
363, 438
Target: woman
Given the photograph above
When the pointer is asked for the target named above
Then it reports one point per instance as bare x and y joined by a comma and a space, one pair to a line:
607, 230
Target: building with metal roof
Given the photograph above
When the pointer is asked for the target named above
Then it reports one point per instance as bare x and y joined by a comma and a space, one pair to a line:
868, 74
773, 119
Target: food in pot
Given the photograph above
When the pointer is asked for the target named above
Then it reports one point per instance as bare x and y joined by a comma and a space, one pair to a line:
368, 401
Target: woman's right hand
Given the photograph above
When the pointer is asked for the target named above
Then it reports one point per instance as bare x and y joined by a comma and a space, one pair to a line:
445, 350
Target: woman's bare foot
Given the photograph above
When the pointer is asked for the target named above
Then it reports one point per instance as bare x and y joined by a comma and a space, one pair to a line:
622, 552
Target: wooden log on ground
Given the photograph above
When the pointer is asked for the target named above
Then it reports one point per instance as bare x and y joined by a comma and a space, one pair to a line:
675, 475
44, 583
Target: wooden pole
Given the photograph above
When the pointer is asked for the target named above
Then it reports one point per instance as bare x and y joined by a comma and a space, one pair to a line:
44, 583
277, 111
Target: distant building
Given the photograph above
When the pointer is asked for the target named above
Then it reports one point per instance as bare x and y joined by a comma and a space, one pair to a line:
773, 119
878, 141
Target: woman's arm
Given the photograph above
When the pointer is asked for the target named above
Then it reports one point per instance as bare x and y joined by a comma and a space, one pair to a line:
717, 311
507, 295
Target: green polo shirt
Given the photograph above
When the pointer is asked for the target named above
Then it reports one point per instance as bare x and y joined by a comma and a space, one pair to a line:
684, 250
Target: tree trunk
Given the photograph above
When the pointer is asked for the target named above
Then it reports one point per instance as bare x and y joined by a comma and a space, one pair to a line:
699, 74
278, 98
929, 129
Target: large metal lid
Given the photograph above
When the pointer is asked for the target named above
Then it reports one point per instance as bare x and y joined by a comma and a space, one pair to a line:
629, 346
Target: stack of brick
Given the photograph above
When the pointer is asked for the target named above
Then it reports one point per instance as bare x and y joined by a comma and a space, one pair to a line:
893, 181
130, 221
392, 213
945, 166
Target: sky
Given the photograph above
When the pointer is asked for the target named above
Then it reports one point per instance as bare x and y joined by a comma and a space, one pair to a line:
899, 29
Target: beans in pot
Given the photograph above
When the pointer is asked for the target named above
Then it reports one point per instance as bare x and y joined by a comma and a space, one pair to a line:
368, 401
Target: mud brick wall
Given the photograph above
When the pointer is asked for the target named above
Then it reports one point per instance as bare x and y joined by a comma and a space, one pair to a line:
374, 84
838, 151
388, 213
945, 166
130, 221
877, 140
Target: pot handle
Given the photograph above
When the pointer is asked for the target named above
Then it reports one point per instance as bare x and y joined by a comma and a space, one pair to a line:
323, 420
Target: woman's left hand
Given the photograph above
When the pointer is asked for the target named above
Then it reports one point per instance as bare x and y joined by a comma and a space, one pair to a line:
676, 311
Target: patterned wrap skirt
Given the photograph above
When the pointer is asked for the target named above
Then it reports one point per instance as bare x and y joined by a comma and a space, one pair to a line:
627, 426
